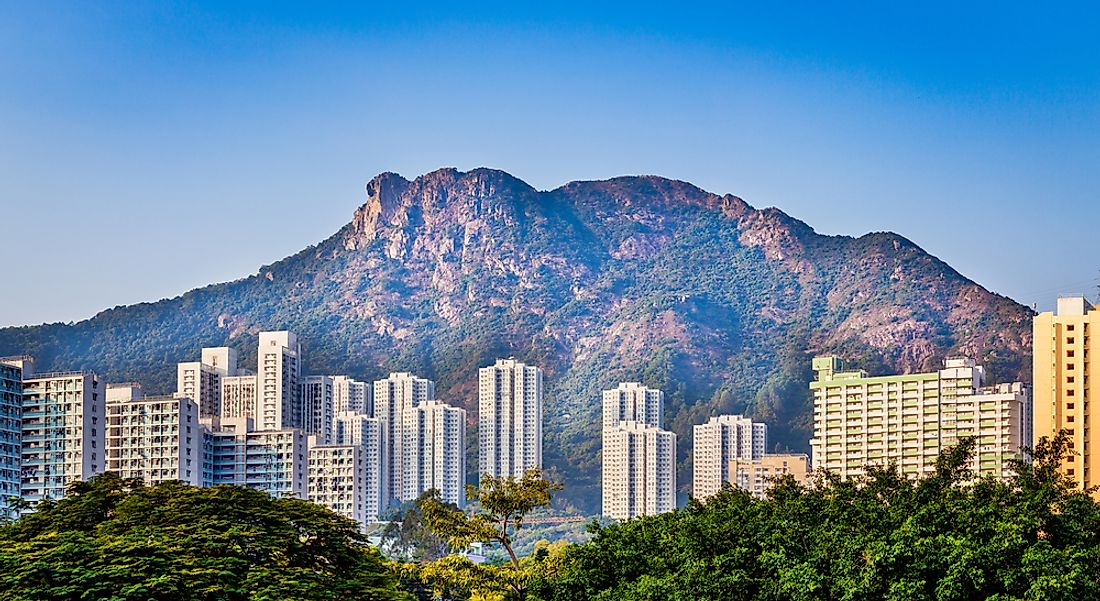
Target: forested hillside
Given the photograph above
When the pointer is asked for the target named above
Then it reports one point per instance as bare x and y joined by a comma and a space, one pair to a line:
636, 278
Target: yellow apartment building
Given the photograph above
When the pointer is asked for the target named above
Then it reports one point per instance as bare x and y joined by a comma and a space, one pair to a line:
1061, 381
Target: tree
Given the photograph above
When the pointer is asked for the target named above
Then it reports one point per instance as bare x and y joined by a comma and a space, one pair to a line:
504, 503
948, 536
408, 536
111, 538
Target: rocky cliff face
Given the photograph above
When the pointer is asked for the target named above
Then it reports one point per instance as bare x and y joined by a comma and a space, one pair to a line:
636, 278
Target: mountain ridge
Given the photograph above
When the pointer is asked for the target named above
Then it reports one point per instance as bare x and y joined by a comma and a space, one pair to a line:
644, 278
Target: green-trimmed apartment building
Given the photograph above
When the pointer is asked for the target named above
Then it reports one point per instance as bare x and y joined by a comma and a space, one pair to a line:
862, 420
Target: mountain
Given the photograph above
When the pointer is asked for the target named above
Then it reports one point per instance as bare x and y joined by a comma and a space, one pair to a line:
719, 304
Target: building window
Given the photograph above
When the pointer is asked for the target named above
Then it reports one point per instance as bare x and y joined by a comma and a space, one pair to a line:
1069, 340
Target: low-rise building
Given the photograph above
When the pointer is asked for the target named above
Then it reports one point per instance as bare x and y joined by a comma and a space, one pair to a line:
757, 475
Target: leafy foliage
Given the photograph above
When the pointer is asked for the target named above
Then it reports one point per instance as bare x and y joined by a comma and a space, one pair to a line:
503, 503
115, 539
946, 537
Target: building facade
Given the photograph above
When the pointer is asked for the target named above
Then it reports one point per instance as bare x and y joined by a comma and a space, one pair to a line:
435, 451
239, 397
369, 433
272, 461
757, 475
201, 381
155, 439
317, 407
12, 370
862, 420
719, 442
393, 397
639, 470
632, 402
509, 418
1062, 365
63, 423
352, 396
338, 480
278, 376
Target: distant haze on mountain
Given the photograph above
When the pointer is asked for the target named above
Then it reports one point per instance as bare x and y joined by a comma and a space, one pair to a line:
635, 278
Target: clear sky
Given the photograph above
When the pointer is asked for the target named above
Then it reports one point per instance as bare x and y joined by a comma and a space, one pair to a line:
149, 148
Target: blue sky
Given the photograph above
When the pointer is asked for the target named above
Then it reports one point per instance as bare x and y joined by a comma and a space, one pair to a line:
146, 149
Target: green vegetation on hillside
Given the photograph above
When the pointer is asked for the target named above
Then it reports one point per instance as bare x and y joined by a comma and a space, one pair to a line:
637, 278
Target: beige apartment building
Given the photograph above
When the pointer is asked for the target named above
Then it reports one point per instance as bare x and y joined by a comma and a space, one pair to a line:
368, 433
435, 451
862, 420
757, 475
1061, 381
272, 461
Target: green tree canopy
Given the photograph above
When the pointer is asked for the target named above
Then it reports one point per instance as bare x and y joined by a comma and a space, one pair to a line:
503, 504
115, 539
946, 537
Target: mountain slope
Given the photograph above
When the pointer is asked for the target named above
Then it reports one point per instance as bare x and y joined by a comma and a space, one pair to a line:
642, 278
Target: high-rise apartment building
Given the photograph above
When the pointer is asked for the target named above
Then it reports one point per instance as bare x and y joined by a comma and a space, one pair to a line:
393, 396
351, 396
239, 397
435, 451
369, 433
509, 418
273, 461
12, 371
862, 420
1062, 366
64, 419
717, 443
317, 407
338, 480
639, 468
278, 375
201, 381
632, 402
155, 439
